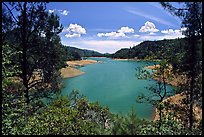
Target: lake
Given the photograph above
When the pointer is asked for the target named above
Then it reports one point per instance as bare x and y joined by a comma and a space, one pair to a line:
113, 83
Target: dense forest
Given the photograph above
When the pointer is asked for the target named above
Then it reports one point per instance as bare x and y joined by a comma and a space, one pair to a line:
31, 44
159, 49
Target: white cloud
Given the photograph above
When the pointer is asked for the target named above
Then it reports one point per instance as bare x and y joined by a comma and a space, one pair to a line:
167, 34
152, 33
111, 34
183, 29
101, 34
74, 30
126, 30
160, 37
169, 31
136, 35
176, 32
51, 11
116, 34
72, 35
148, 27
64, 12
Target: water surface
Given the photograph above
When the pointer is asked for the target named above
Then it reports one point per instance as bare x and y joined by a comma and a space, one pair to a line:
114, 84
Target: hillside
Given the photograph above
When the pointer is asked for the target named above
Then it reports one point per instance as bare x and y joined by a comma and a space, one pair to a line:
152, 49
76, 53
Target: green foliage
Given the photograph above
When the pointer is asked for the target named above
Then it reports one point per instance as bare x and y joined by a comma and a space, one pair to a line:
169, 126
25, 49
126, 125
33, 45
13, 107
58, 119
9, 68
161, 49
74, 115
191, 16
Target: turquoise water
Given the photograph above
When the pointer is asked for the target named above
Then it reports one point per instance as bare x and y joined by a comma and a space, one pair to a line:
114, 84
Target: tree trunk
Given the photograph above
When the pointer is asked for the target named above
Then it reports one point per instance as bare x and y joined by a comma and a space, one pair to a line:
192, 76
24, 58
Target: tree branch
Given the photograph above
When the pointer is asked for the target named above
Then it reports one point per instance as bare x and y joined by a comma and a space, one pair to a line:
10, 12
32, 85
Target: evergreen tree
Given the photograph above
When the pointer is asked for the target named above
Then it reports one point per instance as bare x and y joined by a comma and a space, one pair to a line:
35, 36
191, 16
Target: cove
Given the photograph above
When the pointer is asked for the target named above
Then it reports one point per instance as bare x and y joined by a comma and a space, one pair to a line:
113, 83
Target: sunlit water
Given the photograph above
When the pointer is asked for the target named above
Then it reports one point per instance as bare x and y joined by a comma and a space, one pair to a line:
114, 84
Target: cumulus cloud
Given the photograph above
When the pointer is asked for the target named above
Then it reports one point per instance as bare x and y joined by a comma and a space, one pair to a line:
148, 27
111, 34
126, 30
64, 12
74, 30
169, 31
72, 35
167, 34
116, 34
173, 32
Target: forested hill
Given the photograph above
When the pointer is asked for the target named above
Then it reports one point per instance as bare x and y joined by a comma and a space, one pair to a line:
76, 53
155, 49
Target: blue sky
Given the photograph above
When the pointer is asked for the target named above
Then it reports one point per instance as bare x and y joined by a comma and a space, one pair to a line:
109, 26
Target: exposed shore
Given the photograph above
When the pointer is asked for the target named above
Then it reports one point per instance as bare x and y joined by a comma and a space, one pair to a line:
176, 80
153, 67
176, 100
71, 70
80, 63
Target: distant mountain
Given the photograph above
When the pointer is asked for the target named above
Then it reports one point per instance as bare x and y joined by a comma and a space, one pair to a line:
76, 53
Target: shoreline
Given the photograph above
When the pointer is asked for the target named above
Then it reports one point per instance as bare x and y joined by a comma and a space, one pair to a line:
174, 99
176, 80
135, 59
98, 57
71, 70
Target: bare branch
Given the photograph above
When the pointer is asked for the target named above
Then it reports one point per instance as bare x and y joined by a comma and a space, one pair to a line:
32, 84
